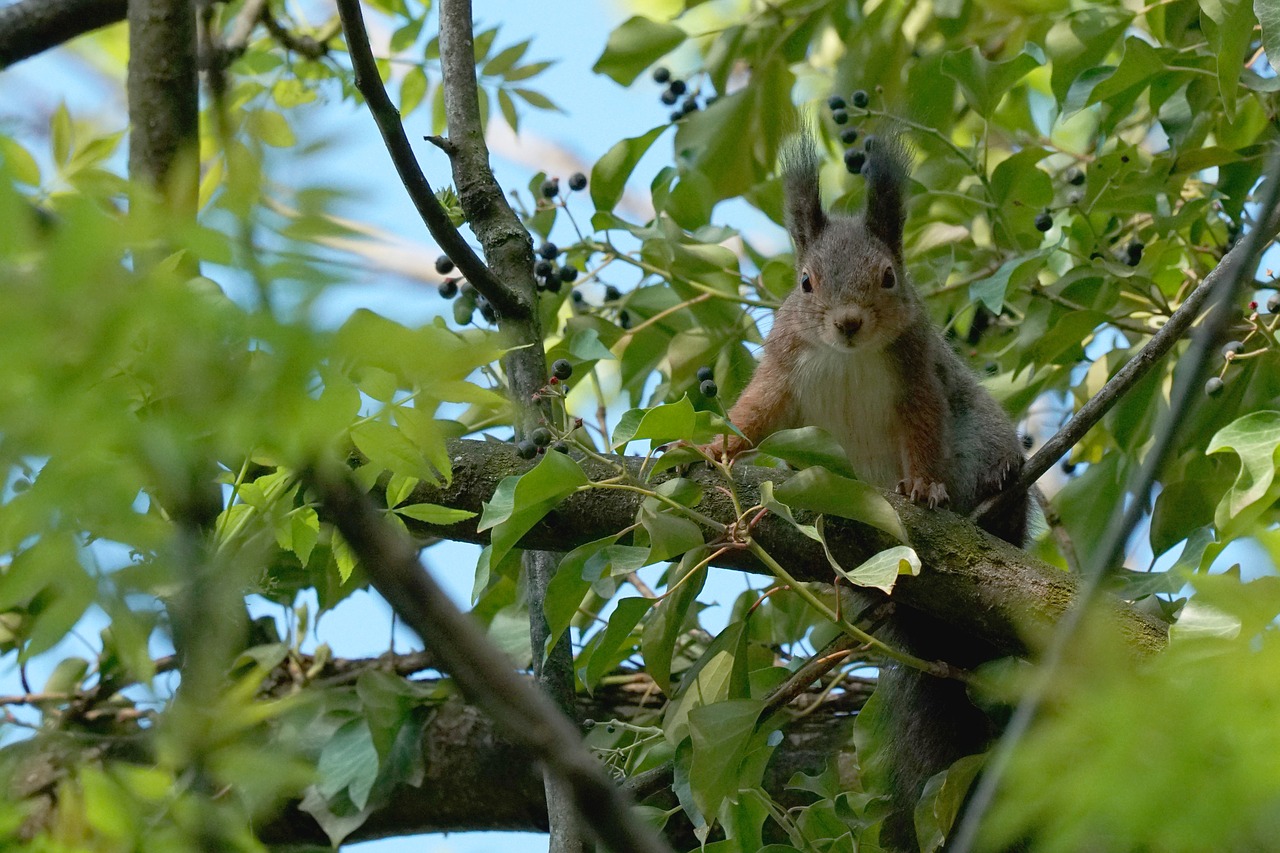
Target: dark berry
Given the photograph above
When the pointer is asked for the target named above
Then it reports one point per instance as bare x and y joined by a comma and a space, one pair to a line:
1273, 303
840, 116
578, 297
560, 447
854, 160
444, 266
544, 269
708, 388
541, 436
661, 74
869, 143
1075, 177
486, 310
551, 188
1124, 158
669, 98
1043, 221
561, 369
705, 373
552, 284
448, 288
860, 99
689, 105
567, 274
611, 293
1214, 386
624, 319
1068, 467
1134, 252
678, 87
849, 135
835, 102
1231, 349
577, 181
526, 449
549, 251
676, 115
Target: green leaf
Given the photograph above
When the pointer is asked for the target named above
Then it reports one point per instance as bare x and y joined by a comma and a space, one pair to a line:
807, 447
1254, 438
272, 128
1268, 14
610, 173
634, 46
720, 735
434, 514
1080, 41
663, 627
660, 424
670, 535
818, 490
19, 162
991, 291
1228, 25
520, 502
720, 673
603, 657
348, 761
568, 587
412, 90
941, 800
882, 570
985, 82
389, 448
61, 134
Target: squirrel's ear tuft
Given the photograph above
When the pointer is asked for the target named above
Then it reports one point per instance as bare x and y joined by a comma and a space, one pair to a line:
805, 219
887, 171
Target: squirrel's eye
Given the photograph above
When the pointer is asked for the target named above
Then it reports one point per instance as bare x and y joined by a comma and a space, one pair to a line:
889, 279
805, 283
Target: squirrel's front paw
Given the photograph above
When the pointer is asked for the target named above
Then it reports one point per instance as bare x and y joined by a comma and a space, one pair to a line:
726, 447
921, 490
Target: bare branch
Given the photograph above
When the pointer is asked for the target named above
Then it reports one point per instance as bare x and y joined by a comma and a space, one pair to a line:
415, 182
524, 715
30, 27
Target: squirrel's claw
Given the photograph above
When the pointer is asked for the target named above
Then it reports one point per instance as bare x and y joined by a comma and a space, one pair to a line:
921, 490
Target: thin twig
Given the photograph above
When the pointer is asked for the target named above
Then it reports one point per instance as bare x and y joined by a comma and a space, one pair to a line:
433, 214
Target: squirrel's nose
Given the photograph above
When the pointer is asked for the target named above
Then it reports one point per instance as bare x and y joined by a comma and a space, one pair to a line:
849, 325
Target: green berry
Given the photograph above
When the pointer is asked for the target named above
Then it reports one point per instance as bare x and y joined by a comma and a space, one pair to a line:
577, 181
860, 99
1043, 221
462, 311
541, 436
448, 288
1214, 386
708, 388
561, 369
526, 449
705, 373
444, 265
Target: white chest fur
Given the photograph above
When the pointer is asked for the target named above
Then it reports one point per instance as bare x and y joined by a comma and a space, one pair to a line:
852, 396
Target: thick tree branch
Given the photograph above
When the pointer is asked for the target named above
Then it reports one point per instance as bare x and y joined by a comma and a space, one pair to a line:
415, 183
483, 674
982, 586
30, 27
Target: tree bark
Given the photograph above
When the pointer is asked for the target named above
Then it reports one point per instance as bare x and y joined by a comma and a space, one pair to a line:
33, 26
971, 580
164, 109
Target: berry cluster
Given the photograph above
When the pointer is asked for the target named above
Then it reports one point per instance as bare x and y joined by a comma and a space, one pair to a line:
855, 157
677, 94
545, 272
542, 438
707, 382
550, 188
1233, 351
469, 299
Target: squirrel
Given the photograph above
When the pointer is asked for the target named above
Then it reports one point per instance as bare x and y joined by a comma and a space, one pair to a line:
852, 350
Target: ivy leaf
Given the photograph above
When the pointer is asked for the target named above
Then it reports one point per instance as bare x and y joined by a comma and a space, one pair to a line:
882, 570
434, 513
635, 45
660, 632
1228, 25
992, 290
1080, 41
660, 424
349, 761
601, 655
720, 735
941, 800
1254, 438
819, 490
520, 502
568, 587
985, 82
807, 447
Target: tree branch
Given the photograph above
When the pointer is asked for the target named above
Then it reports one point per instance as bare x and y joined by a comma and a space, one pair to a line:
433, 214
971, 580
483, 674
30, 27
